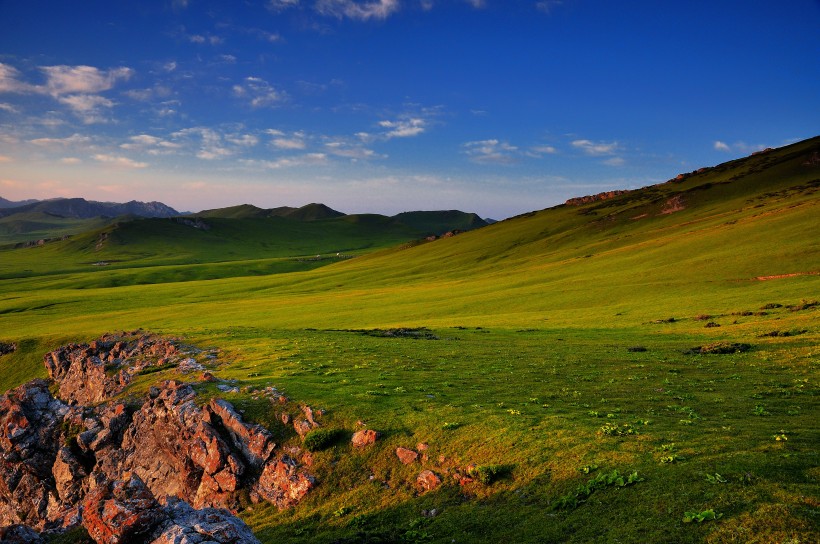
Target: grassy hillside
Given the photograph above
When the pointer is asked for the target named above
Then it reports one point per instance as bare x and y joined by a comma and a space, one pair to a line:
560, 348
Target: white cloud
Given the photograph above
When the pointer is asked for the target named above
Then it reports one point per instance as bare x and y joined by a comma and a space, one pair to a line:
200, 39
404, 128
289, 143
73, 140
738, 147
150, 144
615, 161
209, 142
87, 107
62, 79
10, 82
259, 92
8, 107
354, 152
596, 148
539, 150
361, 11
122, 162
491, 151
244, 140
70, 160
290, 162
4, 158
477, 4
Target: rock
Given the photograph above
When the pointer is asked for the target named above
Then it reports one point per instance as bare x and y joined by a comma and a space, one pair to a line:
7, 347
302, 427
364, 438
172, 447
91, 373
422, 446
578, 201
283, 483
58, 461
20, 534
208, 525
121, 511
428, 480
30, 435
406, 456
254, 441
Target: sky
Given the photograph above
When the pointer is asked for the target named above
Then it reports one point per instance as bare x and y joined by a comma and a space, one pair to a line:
498, 107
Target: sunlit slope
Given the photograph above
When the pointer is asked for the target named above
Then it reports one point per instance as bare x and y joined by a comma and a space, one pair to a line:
617, 262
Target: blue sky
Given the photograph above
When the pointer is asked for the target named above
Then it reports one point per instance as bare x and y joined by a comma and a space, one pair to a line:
498, 107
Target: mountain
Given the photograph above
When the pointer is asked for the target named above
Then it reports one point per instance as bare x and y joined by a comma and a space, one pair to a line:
11, 204
424, 223
439, 222
80, 208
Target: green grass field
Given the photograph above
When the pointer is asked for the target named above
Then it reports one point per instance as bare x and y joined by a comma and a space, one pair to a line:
562, 352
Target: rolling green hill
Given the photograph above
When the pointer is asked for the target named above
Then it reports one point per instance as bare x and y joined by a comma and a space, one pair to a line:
560, 346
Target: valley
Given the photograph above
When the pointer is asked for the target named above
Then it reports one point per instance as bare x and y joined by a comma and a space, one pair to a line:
635, 366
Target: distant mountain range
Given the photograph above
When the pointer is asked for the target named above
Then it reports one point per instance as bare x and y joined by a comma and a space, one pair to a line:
33, 220
80, 208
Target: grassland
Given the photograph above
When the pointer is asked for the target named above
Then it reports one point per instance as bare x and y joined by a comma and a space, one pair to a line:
563, 352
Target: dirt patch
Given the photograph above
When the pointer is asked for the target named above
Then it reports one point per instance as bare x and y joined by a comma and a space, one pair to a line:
781, 276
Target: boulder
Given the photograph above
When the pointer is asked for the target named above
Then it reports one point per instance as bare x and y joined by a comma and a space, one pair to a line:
283, 483
211, 525
253, 441
121, 511
406, 456
364, 438
428, 480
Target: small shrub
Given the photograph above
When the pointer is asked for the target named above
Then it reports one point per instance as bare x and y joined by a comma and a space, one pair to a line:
700, 517
719, 348
487, 474
716, 479
636, 349
771, 306
450, 425
712, 325
320, 439
613, 429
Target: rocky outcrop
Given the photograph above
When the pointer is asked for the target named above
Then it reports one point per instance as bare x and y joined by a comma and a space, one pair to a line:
126, 511
86, 459
91, 373
589, 199
31, 430
121, 511
185, 525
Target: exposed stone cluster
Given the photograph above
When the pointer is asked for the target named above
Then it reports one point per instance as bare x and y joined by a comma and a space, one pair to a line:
581, 200
84, 458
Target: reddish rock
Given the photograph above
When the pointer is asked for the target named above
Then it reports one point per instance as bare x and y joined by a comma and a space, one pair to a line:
121, 511
428, 480
406, 456
253, 441
422, 446
302, 427
283, 483
364, 438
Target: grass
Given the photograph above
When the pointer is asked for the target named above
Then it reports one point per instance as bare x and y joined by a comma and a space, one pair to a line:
524, 349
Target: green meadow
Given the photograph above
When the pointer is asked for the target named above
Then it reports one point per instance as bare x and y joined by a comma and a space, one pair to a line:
642, 368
